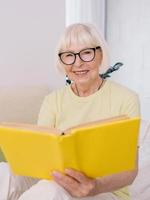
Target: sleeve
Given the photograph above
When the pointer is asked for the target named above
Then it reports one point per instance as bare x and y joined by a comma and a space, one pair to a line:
131, 106
47, 114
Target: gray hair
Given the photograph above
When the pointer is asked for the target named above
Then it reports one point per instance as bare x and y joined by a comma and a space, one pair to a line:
82, 34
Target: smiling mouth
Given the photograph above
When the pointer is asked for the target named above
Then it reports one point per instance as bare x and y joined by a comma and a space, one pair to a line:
81, 72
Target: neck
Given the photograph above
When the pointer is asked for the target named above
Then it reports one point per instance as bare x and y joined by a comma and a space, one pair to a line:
86, 90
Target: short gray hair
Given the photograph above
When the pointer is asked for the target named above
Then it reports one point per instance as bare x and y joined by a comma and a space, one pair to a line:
82, 34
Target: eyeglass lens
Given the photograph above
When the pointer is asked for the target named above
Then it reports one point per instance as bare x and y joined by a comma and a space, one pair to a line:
86, 55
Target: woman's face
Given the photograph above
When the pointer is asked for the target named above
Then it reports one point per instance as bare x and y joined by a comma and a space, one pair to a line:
82, 72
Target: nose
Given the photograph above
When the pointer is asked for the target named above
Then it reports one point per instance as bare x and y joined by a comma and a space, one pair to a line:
78, 61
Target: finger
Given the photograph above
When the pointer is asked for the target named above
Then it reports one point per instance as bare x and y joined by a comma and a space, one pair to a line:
79, 176
65, 181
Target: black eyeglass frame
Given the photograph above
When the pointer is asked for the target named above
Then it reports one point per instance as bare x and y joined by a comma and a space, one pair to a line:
75, 54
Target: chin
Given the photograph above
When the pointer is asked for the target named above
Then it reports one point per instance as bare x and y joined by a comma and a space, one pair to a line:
81, 80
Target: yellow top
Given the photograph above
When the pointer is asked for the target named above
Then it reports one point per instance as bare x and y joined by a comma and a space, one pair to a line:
63, 109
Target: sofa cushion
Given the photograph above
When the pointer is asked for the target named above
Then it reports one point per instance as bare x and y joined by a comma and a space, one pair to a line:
21, 103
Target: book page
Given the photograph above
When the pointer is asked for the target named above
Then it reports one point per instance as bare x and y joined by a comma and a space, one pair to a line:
102, 121
31, 127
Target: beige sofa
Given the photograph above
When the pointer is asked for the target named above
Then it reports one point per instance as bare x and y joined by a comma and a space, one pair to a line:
22, 104
140, 189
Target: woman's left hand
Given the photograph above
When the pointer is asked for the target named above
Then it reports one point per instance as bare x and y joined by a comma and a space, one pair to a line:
76, 183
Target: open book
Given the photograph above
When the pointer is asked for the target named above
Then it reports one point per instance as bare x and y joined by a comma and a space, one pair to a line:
97, 149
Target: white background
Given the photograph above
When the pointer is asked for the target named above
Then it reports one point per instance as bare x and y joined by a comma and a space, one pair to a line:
29, 31
128, 35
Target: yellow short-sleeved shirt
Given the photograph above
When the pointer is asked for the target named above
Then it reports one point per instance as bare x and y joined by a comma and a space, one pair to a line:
62, 109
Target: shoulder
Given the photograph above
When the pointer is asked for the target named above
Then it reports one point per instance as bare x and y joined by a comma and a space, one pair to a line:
120, 90
56, 94
125, 98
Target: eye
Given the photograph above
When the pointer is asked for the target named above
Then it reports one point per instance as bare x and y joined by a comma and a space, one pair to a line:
86, 52
69, 55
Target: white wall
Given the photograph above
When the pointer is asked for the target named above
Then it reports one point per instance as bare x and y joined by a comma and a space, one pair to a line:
29, 31
86, 11
128, 35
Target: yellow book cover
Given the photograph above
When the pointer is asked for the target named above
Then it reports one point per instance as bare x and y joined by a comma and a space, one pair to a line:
97, 149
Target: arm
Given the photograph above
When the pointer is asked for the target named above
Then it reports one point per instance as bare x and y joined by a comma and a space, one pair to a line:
117, 181
79, 185
47, 112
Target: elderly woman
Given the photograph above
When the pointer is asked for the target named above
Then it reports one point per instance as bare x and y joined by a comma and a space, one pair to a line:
82, 55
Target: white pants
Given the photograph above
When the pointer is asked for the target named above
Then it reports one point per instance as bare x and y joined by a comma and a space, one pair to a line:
24, 188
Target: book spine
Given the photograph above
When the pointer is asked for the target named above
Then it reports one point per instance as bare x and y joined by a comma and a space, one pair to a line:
67, 145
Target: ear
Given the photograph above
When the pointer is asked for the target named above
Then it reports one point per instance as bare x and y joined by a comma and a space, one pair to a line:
100, 60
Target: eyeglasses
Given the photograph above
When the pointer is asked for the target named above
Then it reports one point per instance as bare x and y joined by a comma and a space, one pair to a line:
86, 55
